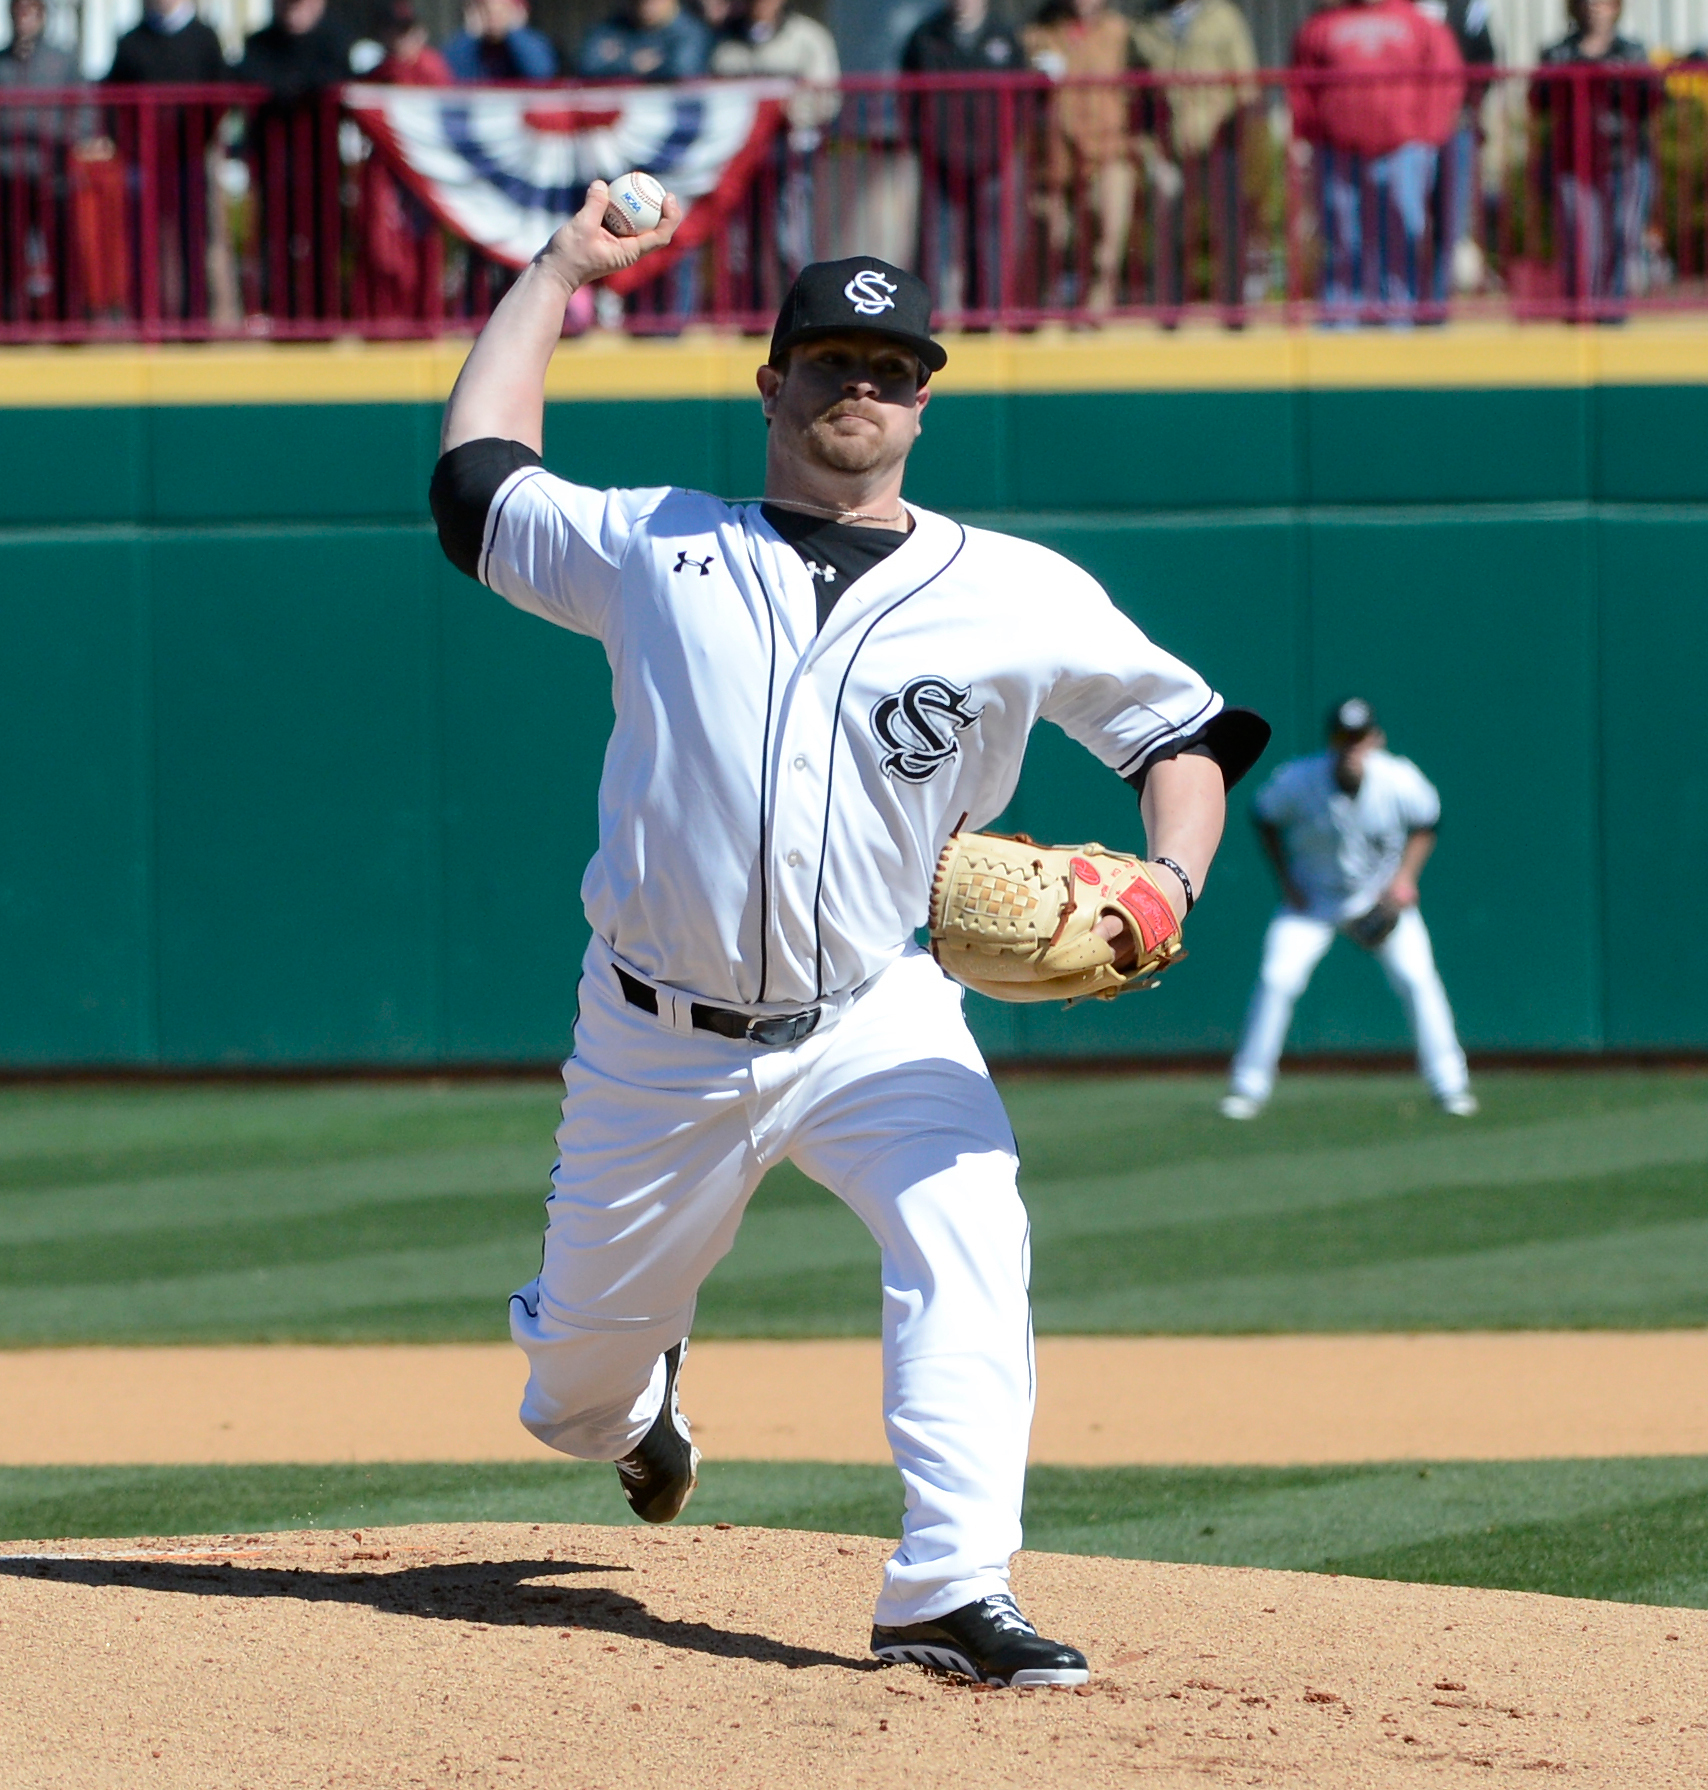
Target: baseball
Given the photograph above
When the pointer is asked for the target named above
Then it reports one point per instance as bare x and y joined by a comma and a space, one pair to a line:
636, 205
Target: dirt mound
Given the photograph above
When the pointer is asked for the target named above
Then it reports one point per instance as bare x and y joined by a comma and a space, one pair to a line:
606, 1658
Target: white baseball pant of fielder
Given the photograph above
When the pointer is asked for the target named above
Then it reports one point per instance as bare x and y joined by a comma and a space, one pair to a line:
1293, 947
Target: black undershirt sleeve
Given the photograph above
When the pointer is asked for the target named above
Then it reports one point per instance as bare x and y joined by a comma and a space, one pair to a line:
464, 484
1235, 739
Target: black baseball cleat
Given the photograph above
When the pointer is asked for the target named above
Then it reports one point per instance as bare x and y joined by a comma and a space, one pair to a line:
660, 1475
989, 1641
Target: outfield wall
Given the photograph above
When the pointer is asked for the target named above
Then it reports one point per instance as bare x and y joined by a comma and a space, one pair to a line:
279, 787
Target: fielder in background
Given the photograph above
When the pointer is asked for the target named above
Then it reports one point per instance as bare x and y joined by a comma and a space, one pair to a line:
1348, 832
812, 693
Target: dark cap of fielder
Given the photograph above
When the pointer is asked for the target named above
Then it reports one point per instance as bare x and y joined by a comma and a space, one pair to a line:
1352, 719
830, 298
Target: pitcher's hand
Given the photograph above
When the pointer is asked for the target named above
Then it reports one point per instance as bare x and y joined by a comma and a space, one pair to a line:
583, 249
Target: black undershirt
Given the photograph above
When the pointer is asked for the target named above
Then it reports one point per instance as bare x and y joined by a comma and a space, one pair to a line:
836, 553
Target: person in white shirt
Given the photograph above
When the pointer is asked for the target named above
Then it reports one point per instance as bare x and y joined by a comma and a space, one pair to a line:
1348, 832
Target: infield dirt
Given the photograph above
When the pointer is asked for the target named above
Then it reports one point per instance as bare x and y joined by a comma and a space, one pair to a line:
611, 1659
1203, 1400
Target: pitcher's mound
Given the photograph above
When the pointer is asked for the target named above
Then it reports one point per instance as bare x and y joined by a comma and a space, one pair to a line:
591, 1657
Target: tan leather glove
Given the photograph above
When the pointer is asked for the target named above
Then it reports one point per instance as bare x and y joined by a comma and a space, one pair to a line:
1014, 919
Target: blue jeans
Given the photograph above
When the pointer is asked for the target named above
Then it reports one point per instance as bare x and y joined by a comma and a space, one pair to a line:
1454, 212
1601, 228
1374, 210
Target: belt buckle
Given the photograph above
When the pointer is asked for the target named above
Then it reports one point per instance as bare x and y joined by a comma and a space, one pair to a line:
773, 1033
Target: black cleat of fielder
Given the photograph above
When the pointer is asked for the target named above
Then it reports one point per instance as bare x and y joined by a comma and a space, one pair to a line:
660, 1475
989, 1641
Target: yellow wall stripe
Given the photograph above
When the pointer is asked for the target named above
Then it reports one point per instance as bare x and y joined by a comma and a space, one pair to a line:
1659, 351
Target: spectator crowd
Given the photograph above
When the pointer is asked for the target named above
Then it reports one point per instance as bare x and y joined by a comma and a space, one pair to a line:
1385, 111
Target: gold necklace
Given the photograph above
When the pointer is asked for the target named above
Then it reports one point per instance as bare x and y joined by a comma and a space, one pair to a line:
836, 512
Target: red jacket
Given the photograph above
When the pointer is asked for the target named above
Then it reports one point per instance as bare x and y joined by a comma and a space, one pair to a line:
1371, 117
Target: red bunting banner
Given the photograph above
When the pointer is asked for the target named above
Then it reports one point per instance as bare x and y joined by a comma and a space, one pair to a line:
503, 167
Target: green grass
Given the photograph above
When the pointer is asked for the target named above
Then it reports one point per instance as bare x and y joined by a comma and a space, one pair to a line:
408, 1212
1635, 1531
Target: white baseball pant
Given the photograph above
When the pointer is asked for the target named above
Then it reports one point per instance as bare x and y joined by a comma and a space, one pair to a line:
1293, 947
665, 1135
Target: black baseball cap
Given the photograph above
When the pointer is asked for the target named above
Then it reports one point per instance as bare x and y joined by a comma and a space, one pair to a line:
1351, 719
830, 298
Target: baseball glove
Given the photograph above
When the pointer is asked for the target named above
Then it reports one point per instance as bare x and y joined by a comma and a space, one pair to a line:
1013, 919
1371, 929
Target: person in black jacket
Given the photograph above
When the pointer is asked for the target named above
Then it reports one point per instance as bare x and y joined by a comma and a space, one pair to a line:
171, 47
962, 39
298, 58
1603, 163
961, 136
300, 54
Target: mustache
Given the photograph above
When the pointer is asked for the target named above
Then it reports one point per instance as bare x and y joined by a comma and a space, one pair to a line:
860, 407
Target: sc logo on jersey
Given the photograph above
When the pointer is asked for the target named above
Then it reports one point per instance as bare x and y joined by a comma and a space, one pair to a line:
870, 293
921, 725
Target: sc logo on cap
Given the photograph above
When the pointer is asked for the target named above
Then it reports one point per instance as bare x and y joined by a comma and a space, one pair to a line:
870, 293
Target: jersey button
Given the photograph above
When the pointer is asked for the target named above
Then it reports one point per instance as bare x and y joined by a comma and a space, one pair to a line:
794, 860
800, 764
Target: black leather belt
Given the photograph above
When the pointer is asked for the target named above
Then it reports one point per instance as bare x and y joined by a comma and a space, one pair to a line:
725, 1021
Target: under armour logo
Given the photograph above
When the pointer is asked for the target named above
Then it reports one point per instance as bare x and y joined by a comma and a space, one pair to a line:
683, 561
870, 293
827, 573
922, 725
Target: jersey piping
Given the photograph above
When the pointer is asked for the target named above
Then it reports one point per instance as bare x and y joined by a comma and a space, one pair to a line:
496, 515
1161, 736
765, 776
835, 736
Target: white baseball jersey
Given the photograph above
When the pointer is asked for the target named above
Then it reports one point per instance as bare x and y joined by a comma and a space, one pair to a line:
775, 796
1343, 850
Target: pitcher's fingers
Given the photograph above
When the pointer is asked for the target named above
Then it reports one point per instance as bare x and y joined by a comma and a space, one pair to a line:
593, 206
670, 217
1115, 931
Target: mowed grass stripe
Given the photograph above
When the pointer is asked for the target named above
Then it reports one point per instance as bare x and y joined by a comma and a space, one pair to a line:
189, 1203
64, 1137
1088, 1281
1580, 1199
1643, 1280
1420, 1226
1486, 1156
447, 1221
302, 1300
1630, 1530
1155, 1121
1555, 1153
1647, 1279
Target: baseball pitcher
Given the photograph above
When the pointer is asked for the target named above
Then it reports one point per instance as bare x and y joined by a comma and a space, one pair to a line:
815, 694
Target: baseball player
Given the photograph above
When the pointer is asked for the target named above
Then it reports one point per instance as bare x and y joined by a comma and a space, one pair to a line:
811, 692
1348, 832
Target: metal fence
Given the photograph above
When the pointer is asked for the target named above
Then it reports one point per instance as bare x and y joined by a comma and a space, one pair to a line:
1578, 192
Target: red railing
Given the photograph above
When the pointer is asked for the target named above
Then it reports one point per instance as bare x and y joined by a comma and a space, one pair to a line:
183, 213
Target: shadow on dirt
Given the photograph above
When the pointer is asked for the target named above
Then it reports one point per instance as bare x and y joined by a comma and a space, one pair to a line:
496, 1592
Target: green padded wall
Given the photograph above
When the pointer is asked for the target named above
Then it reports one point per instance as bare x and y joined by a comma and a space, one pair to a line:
279, 787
